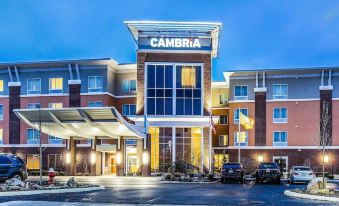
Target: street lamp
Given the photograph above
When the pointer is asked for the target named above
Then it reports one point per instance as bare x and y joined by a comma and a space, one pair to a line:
260, 158
144, 158
326, 158
93, 157
119, 159
68, 157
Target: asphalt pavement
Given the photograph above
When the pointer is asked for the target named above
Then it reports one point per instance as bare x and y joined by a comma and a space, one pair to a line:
149, 190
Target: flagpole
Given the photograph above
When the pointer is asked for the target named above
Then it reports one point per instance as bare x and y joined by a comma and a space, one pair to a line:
239, 130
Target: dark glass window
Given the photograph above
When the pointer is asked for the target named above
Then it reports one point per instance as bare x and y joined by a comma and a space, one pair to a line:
160, 96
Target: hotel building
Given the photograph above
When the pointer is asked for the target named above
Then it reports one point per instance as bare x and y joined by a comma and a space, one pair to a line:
100, 117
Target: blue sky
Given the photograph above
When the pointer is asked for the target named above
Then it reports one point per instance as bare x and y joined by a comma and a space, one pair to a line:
255, 35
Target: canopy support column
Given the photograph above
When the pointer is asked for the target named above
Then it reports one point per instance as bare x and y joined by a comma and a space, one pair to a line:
120, 157
95, 158
71, 156
146, 157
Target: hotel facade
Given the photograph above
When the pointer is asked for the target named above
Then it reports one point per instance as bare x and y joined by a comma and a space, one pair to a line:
99, 117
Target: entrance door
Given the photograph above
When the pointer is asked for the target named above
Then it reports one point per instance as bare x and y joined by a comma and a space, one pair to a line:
282, 161
113, 169
132, 163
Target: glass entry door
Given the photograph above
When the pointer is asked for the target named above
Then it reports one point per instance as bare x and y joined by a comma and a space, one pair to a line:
282, 162
113, 169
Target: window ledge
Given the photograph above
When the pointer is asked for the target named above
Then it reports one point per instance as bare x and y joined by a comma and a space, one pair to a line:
260, 89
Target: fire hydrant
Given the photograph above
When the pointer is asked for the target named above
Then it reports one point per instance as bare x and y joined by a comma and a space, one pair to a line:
51, 175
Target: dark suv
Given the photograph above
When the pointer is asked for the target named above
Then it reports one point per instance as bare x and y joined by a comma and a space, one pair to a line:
268, 171
232, 171
12, 166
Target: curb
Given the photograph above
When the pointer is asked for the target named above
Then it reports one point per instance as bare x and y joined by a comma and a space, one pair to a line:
178, 182
56, 191
312, 197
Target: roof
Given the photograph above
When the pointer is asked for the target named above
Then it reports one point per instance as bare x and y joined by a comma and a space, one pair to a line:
83, 122
176, 28
96, 61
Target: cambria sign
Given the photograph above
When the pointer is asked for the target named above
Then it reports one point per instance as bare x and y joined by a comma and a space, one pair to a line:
174, 43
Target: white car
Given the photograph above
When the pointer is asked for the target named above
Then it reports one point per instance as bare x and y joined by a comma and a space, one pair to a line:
301, 174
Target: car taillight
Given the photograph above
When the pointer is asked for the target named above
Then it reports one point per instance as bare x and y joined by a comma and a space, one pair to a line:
295, 173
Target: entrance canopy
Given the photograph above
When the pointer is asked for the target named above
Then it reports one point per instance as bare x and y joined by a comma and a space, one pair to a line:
83, 122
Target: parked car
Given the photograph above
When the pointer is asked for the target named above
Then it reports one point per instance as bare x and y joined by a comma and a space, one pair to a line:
301, 174
268, 171
12, 166
233, 172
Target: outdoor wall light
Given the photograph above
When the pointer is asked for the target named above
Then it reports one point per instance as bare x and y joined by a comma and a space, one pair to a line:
144, 158
119, 158
68, 157
260, 158
93, 157
326, 158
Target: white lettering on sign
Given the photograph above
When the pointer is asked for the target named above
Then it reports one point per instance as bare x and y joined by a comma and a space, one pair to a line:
175, 42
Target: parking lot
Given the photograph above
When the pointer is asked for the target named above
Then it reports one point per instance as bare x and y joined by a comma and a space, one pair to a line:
150, 190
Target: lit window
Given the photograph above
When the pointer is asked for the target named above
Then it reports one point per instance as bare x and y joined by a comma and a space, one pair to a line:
1, 136
188, 77
240, 92
33, 162
54, 140
223, 140
129, 85
32, 136
55, 85
223, 99
55, 162
128, 109
244, 111
1, 86
280, 115
223, 119
33, 105
242, 139
280, 138
55, 105
1, 112
95, 104
95, 84
33, 86
280, 91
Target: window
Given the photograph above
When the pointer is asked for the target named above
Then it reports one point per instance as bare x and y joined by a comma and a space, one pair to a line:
188, 90
95, 84
280, 91
1, 136
129, 85
223, 140
279, 138
55, 85
280, 115
223, 119
236, 114
55, 162
95, 104
1, 86
128, 109
32, 136
33, 105
240, 92
33, 162
54, 140
1, 112
55, 105
159, 89
223, 99
242, 140
33, 86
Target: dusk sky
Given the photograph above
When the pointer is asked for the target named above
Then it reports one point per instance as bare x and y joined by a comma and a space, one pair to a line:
257, 34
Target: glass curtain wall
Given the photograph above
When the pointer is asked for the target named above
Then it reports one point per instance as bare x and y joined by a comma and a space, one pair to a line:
161, 148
